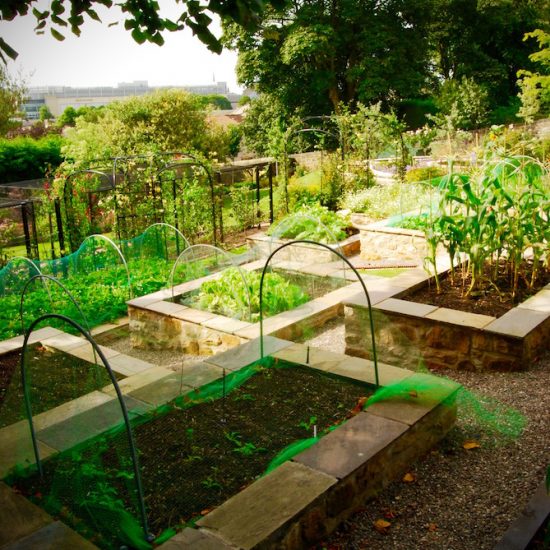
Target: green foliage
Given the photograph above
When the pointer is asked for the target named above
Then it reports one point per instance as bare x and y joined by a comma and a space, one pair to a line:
12, 94
462, 104
383, 201
313, 222
425, 173
535, 86
25, 158
229, 296
418, 223
142, 19
217, 101
45, 113
70, 114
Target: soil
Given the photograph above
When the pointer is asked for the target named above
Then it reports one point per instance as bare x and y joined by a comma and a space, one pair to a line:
194, 459
54, 377
486, 301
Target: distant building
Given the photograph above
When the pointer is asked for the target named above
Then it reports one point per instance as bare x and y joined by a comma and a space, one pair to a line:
58, 98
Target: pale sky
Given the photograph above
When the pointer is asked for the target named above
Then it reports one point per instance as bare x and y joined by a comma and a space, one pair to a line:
105, 56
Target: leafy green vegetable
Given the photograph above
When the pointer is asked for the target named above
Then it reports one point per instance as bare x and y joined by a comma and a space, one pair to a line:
316, 223
229, 296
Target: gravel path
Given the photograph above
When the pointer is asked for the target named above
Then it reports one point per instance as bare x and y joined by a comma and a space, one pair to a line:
460, 499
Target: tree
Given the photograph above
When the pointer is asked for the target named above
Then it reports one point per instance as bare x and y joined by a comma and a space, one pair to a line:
217, 101
143, 18
12, 94
315, 54
167, 120
463, 104
483, 40
44, 113
535, 86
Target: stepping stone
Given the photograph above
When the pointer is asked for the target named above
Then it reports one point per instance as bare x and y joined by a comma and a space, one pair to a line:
19, 517
56, 536
84, 426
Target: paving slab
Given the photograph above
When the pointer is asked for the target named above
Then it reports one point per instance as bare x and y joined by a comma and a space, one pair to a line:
518, 322
410, 278
193, 315
462, 318
55, 536
84, 426
405, 411
87, 353
103, 328
342, 451
11, 345
340, 294
137, 381
404, 307
186, 379
197, 539
266, 506
226, 324
376, 296
363, 370
63, 341
538, 302
19, 517
16, 448
127, 365
248, 353
168, 308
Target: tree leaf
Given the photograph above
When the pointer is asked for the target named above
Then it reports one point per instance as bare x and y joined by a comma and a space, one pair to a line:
382, 526
57, 35
408, 478
468, 445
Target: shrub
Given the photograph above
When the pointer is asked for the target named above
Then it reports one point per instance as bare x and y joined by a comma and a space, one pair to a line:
425, 173
25, 158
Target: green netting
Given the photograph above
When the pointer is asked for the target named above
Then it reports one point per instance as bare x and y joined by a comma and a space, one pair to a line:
101, 276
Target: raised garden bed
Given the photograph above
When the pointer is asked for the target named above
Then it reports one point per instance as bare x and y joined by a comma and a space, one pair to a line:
380, 241
159, 320
293, 506
302, 252
410, 333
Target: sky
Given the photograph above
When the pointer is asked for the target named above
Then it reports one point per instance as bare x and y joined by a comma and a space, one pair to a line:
105, 56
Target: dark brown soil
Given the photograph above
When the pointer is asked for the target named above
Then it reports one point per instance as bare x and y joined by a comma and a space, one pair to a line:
193, 459
54, 377
485, 301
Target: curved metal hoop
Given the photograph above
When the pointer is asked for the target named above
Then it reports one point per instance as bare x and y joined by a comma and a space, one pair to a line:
129, 433
343, 258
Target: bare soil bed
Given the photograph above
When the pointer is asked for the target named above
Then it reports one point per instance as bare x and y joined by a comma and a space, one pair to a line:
193, 459
487, 301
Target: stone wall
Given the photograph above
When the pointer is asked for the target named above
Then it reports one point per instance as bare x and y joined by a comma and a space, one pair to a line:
379, 244
406, 341
151, 330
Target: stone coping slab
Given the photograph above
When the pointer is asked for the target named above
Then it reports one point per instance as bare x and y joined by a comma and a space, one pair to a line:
342, 451
56, 536
248, 353
255, 515
197, 540
19, 517
518, 322
464, 318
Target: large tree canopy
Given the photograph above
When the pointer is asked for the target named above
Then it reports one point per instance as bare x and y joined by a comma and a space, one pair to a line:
143, 17
327, 52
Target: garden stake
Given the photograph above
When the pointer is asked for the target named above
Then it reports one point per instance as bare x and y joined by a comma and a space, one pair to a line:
307, 356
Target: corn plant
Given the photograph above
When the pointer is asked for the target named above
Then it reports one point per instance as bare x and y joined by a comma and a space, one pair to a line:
498, 217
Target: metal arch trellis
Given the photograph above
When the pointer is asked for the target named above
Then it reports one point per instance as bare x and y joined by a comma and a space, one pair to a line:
68, 200
179, 235
188, 161
124, 410
360, 279
153, 187
295, 130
